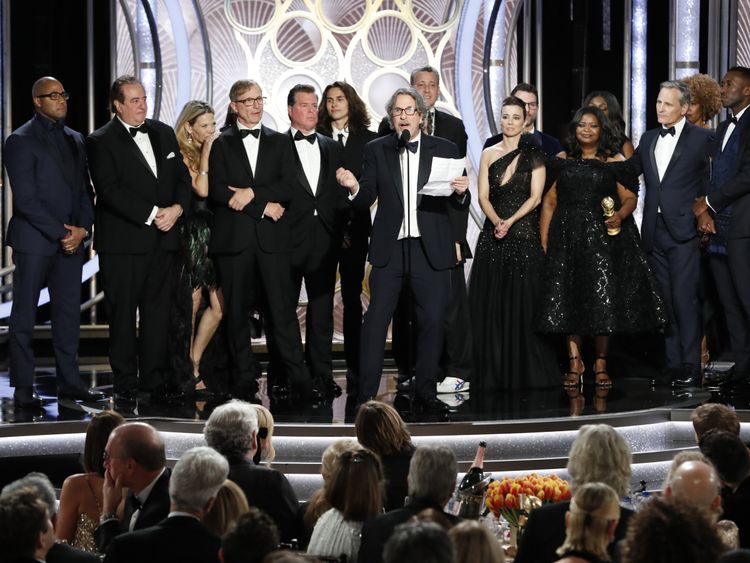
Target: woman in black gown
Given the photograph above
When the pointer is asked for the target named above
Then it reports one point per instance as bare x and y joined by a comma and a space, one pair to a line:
595, 284
508, 262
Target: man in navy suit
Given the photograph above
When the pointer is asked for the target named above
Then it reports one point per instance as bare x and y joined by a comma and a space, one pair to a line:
52, 215
411, 237
674, 160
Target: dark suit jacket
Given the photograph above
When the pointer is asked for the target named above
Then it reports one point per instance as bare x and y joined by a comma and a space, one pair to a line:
127, 190
736, 192
735, 508
63, 553
179, 538
545, 532
686, 178
549, 144
447, 126
154, 510
352, 158
381, 180
46, 193
269, 490
376, 531
228, 166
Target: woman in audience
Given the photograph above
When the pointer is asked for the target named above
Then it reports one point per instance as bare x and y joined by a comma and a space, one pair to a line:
81, 495
265, 450
610, 107
475, 544
381, 429
705, 99
229, 505
590, 524
355, 494
598, 454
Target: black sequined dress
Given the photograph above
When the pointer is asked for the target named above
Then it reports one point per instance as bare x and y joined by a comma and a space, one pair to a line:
595, 284
503, 289
198, 265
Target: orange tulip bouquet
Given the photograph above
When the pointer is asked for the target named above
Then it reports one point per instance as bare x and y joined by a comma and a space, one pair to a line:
514, 497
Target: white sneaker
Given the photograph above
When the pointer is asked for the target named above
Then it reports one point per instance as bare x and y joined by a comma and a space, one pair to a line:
452, 385
453, 400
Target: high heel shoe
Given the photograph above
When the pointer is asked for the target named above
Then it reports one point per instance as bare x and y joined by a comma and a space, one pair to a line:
601, 377
574, 378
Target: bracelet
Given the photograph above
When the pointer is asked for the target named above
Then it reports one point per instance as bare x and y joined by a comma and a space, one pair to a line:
203, 173
105, 517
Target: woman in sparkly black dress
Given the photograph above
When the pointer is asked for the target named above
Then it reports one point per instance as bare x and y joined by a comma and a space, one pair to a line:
594, 284
508, 262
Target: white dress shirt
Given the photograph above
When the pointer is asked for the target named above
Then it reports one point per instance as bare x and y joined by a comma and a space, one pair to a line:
337, 132
144, 145
142, 498
665, 147
251, 145
309, 156
410, 196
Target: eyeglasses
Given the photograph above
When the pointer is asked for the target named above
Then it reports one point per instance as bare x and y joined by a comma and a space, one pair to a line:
259, 101
395, 112
55, 96
531, 105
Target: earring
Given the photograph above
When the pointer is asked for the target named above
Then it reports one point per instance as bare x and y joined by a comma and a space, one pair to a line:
190, 138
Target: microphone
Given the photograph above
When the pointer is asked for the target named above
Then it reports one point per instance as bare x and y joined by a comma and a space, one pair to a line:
403, 139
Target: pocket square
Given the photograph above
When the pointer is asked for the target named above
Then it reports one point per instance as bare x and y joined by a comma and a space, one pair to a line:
170, 155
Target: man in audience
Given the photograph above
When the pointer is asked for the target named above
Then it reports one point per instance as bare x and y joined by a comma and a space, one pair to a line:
196, 479
26, 532
713, 416
696, 483
424, 542
134, 459
232, 430
252, 538
432, 479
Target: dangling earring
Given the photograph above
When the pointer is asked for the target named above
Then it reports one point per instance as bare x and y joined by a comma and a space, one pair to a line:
190, 138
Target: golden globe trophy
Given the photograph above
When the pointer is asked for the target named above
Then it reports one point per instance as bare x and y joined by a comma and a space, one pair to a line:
608, 205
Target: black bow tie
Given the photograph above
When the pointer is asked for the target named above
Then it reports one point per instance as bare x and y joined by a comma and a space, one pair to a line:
245, 132
140, 129
733, 120
667, 131
412, 146
298, 136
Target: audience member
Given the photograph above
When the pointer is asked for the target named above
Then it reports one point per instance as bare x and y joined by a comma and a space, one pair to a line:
197, 477
729, 534
81, 495
432, 479
679, 459
286, 556
265, 450
232, 430
26, 532
229, 505
598, 454
696, 483
475, 544
424, 542
736, 556
435, 516
355, 494
252, 538
714, 416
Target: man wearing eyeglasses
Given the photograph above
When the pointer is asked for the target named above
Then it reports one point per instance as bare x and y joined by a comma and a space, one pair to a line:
142, 187
411, 238
52, 216
251, 237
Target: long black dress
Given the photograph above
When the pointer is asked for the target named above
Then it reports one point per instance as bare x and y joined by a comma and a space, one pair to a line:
595, 284
503, 289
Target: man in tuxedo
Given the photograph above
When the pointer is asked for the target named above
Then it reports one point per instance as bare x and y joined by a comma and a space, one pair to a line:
432, 479
675, 162
412, 239
251, 238
26, 532
142, 187
316, 214
725, 212
197, 477
52, 215
134, 459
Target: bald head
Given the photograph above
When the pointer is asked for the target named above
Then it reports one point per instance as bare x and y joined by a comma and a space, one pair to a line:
697, 483
43, 84
49, 98
141, 442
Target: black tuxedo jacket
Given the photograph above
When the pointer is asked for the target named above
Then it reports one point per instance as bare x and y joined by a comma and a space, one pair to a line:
329, 200
179, 538
736, 192
352, 158
550, 145
447, 126
153, 511
46, 193
228, 166
381, 180
64, 553
686, 178
127, 190
269, 490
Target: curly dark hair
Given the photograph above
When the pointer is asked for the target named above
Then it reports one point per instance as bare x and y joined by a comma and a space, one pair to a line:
359, 119
705, 92
614, 112
607, 146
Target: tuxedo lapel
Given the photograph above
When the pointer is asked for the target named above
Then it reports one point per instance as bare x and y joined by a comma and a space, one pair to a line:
324, 159
720, 132
425, 161
153, 136
235, 141
301, 178
681, 142
129, 142
652, 157
391, 155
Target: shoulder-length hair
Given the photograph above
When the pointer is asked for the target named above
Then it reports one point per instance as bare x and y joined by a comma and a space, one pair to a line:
358, 120
356, 489
600, 454
592, 510
607, 146
188, 116
614, 111
381, 429
97, 434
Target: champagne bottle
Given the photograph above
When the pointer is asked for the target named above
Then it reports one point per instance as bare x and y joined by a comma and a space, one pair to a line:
475, 474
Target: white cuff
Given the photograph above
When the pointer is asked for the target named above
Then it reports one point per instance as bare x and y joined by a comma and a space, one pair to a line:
709, 205
151, 217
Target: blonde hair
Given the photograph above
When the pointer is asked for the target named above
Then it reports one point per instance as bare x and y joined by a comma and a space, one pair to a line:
190, 151
600, 454
592, 510
475, 544
229, 505
265, 420
331, 456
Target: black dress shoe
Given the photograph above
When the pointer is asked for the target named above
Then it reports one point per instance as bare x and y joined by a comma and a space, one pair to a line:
80, 394
689, 376
430, 406
406, 384
26, 398
124, 397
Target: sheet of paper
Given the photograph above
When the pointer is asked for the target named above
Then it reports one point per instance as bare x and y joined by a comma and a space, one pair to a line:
443, 171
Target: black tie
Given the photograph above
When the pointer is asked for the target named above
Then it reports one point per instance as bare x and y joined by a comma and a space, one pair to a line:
667, 130
412, 146
135, 130
135, 502
245, 132
298, 136
341, 139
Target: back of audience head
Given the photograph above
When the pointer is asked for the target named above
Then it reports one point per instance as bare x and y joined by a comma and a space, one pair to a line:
671, 531
97, 433
696, 483
253, 536
600, 454
330, 459
264, 440
196, 479
286, 556
729, 534
232, 429
475, 544
736, 556
679, 459
41, 485
25, 526
728, 454
424, 542
713, 416
432, 474
140, 443
591, 521
229, 505
356, 487
432, 515
381, 429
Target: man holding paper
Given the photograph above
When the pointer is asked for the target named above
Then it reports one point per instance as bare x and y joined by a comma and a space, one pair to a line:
411, 238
